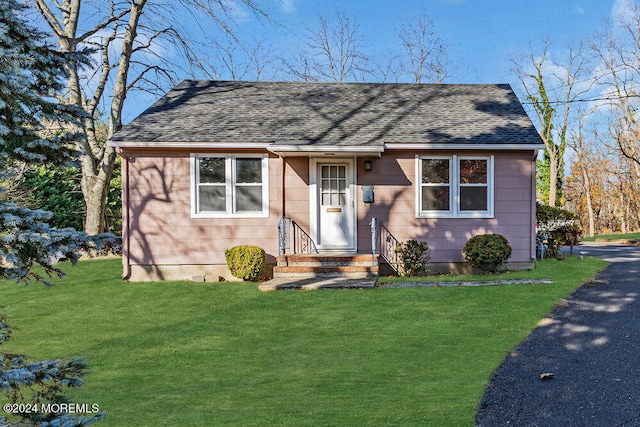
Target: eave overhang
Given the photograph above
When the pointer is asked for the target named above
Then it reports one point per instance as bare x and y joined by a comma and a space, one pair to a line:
185, 144
299, 150
325, 150
445, 146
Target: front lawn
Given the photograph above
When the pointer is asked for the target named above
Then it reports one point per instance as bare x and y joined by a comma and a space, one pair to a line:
544, 270
181, 353
613, 236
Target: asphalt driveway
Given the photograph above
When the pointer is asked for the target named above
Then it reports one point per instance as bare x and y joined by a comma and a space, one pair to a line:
591, 345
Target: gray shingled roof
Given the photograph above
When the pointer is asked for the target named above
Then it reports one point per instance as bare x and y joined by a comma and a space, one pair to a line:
347, 114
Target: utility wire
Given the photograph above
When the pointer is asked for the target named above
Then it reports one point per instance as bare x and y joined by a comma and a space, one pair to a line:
571, 101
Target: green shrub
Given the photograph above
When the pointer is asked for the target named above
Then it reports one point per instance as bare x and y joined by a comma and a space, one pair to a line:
246, 262
56, 189
558, 227
414, 257
487, 251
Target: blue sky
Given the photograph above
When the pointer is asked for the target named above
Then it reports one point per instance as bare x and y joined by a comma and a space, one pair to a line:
482, 36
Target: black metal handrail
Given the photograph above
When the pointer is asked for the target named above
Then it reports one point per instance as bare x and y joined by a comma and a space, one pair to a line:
388, 248
302, 242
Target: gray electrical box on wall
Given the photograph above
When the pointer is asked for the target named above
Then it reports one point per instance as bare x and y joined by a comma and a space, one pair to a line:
367, 193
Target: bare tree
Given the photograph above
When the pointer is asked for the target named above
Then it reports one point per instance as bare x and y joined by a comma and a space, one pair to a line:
334, 51
425, 55
602, 187
551, 104
129, 37
583, 169
619, 50
386, 69
237, 60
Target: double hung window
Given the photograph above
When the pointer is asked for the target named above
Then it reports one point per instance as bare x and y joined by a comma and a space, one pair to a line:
229, 186
454, 186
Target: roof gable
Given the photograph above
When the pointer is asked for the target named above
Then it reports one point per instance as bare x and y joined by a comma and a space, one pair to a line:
333, 114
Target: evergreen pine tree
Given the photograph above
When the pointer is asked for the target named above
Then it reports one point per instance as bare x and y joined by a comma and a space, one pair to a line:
32, 127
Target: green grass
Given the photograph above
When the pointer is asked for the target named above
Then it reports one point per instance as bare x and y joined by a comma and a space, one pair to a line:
625, 236
544, 270
180, 353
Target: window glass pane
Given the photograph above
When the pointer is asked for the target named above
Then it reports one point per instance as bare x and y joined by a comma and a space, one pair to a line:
334, 199
435, 171
249, 171
473, 198
435, 198
342, 199
333, 171
473, 171
249, 198
334, 185
326, 199
212, 170
213, 198
341, 171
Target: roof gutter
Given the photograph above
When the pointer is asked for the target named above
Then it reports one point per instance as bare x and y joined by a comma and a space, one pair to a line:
441, 146
186, 144
305, 150
326, 150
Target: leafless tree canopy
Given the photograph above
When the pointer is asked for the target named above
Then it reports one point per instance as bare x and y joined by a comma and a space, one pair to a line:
139, 46
333, 51
603, 181
584, 96
424, 54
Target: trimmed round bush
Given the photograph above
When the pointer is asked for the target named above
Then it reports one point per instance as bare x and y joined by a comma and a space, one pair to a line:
487, 251
246, 262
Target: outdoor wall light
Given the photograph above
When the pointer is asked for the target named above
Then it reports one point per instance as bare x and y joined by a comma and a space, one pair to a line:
368, 165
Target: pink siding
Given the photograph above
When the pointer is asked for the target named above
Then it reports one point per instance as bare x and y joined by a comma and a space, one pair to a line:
163, 232
161, 228
297, 191
395, 199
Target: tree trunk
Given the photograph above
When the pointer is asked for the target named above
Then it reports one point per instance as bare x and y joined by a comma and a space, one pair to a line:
553, 179
95, 221
587, 186
623, 221
95, 188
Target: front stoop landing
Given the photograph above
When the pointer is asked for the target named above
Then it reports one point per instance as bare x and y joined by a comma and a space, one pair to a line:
323, 271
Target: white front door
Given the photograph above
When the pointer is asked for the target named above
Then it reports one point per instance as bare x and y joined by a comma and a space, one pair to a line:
335, 209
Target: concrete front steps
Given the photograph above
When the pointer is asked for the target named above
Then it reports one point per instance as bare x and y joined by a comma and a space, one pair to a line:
326, 265
324, 271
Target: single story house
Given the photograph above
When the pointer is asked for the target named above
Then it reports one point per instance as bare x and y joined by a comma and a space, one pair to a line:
215, 164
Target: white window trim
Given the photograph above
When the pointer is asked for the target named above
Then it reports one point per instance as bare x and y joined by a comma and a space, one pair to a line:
454, 193
230, 186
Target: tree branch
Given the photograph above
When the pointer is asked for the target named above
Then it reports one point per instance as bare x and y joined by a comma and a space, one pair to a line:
50, 18
102, 25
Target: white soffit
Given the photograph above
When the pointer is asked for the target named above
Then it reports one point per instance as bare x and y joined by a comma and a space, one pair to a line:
491, 147
173, 144
328, 150
325, 150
